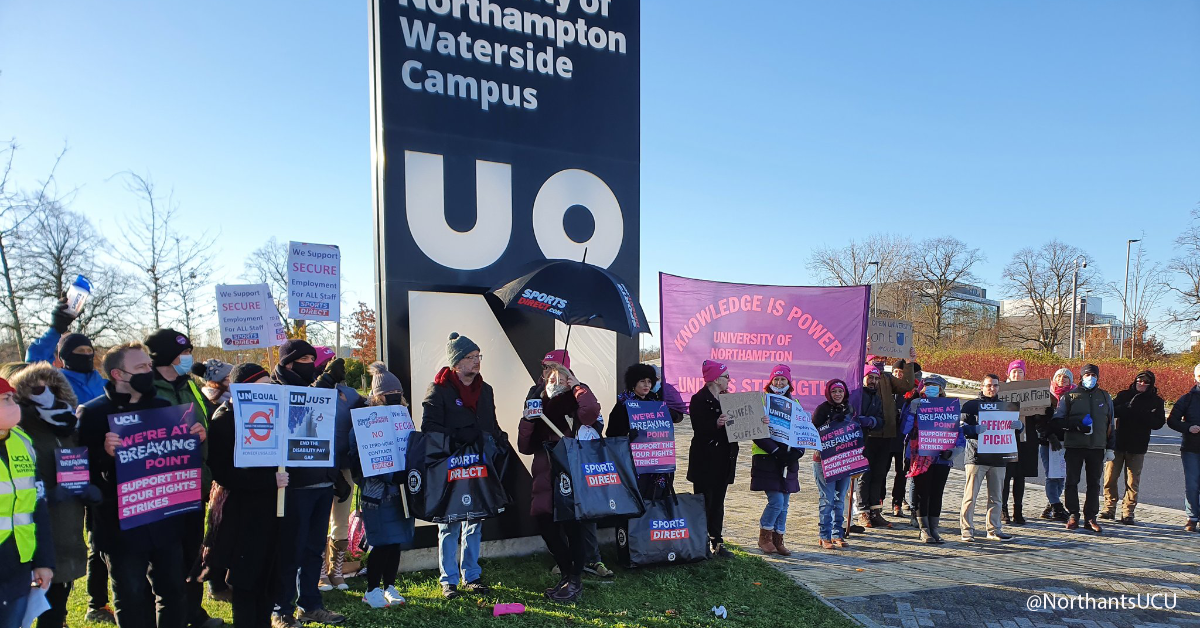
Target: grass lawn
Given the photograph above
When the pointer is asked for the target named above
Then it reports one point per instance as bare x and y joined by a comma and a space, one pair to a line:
754, 593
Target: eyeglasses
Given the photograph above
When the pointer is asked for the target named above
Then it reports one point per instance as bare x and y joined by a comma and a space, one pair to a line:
475, 358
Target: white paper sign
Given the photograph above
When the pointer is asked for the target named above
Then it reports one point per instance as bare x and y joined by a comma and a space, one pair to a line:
790, 423
998, 418
291, 426
247, 317
1057, 464
314, 282
804, 433
382, 436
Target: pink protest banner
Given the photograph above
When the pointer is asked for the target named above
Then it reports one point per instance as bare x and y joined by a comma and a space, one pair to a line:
820, 332
654, 446
937, 425
842, 444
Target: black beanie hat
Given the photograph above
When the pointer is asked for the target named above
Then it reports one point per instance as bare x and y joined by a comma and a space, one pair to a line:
637, 373
295, 349
71, 342
1090, 368
165, 345
247, 372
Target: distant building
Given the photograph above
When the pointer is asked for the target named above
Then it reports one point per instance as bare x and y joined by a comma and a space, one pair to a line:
968, 312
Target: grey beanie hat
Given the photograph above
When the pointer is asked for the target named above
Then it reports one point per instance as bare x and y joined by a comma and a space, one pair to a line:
382, 380
212, 370
458, 347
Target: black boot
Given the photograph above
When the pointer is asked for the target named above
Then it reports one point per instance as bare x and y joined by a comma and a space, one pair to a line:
933, 530
1060, 513
926, 537
1018, 518
1004, 518
571, 593
552, 590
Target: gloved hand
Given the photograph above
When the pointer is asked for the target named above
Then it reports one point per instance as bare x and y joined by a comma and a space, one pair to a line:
1109, 455
1087, 422
633, 434
946, 455
60, 318
1055, 442
1018, 425
334, 374
795, 454
91, 495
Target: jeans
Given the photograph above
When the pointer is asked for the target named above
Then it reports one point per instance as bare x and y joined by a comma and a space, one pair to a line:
714, 508
1088, 463
774, 515
878, 452
1131, 465
976, 474
13, 611
831, 515
302, 533
450, 536
137, 598
57, 596
1191, 484
1054, 486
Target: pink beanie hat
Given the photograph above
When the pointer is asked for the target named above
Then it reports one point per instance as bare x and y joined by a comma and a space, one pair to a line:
782, 370
559, 355
1016, 364
712, 370
324, 354
870, 368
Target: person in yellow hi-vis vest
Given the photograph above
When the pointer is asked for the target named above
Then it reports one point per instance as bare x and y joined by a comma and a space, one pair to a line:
26, 550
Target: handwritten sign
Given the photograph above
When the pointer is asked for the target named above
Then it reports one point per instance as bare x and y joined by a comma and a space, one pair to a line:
937, 425
744, 413
889, 337
842, 446
382, 436
283, 425
998, 418
1033, 395
158, 464
654, 446
71, 469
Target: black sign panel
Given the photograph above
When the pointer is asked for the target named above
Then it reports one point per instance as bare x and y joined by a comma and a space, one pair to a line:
503, 133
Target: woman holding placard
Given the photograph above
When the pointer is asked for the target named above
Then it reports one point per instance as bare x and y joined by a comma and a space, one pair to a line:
712, 459
831, 510
640, 382
380, 504
1050, 447
241, 545
774, 469
928, 472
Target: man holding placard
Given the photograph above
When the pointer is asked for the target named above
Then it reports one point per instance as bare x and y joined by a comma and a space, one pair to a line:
989, 426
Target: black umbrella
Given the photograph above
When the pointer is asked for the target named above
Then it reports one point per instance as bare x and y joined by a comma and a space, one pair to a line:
576, 293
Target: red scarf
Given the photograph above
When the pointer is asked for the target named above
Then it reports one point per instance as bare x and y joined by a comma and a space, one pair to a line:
468, 394
1059, 392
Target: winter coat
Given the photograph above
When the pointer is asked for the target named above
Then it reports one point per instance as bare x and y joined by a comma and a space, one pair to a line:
650, 485
14, 574
343, 426
567, 412
443, 411
66, 512
712, 459
1072, 409
87, 386
911, 430
1184, 415
889, 386
105, 527
774, 466
1138, 414
827, 412
244, 517
970, 429
182, 391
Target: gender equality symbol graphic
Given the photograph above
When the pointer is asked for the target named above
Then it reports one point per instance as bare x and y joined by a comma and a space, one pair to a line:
259, 427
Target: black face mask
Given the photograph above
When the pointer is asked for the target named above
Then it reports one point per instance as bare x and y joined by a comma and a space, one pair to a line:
143, 383
393, 399
306, 370
78, 363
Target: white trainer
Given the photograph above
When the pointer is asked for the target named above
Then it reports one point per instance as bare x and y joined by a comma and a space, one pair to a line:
393, 596
375, 598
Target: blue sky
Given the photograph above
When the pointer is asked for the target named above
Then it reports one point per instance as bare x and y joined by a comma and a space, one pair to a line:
807, 123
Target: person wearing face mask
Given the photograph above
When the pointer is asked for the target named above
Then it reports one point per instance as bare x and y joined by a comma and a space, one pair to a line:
171, 353
1139, 411
928, 472
879, 401
831, 519
774, 470
1026, 464
158, 546
1086, 413
981, 467
215, 374
1185, 419
569, 406
74, 353
26, 542
1050, 439
239, 549
298, 367
48, 418
388, 528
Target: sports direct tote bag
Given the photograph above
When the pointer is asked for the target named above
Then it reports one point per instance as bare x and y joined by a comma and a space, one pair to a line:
593, 479
445, 484
673, 530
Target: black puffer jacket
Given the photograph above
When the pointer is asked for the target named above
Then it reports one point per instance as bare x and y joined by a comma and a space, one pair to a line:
1138, 414
1184, 415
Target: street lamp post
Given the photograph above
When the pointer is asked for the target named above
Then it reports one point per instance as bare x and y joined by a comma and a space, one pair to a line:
873, 278
1125, 296
1083, 318
1075, 301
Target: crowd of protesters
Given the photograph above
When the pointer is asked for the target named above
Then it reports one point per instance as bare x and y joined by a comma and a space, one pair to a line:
273, 570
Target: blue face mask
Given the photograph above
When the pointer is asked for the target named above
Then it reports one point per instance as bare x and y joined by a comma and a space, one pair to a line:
1089, 381
932, 391
657, 386
185, 365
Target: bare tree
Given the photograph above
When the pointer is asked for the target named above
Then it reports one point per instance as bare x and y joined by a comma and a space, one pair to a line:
1186, 268
940, 265
883, 260
268, 264
148, 240
107, 314
1040, 280
1146, 292
193, 260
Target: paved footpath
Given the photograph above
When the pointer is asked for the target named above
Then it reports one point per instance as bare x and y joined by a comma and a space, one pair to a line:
888, 578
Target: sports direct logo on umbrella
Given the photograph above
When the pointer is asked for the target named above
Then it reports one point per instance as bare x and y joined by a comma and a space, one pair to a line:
542, 301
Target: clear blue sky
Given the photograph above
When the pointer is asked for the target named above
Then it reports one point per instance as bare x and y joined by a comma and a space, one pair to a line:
804, 123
